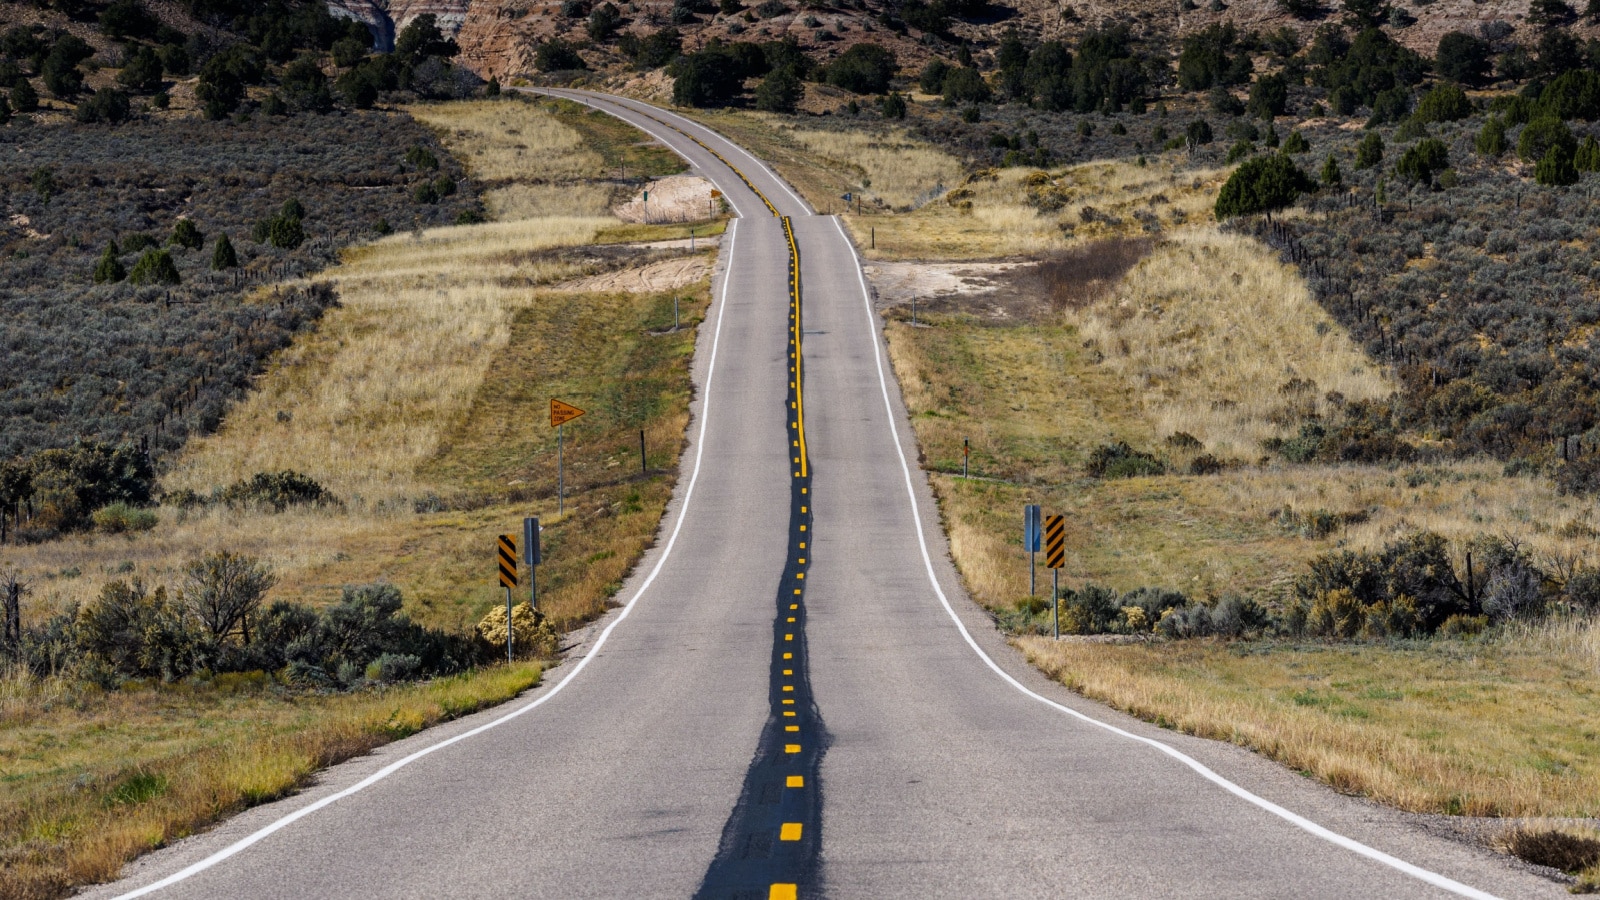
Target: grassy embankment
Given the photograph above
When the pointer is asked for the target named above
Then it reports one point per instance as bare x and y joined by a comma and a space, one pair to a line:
1198, 331
420, 402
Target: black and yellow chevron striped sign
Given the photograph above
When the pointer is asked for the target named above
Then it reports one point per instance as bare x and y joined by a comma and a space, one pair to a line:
508, 561
1055, 542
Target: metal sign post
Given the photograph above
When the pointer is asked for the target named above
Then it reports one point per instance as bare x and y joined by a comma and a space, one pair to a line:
506, 548
1030, 542
560, 414
530, 555
1055, 556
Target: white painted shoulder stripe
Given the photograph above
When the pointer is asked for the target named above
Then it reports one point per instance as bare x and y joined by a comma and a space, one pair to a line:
1295, 819
397, 765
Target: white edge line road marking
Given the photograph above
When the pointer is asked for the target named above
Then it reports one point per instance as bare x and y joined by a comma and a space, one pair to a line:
631, 106
390, 769
579, 98
1299, 821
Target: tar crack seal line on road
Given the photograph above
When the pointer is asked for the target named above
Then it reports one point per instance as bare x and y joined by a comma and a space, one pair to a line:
771, 845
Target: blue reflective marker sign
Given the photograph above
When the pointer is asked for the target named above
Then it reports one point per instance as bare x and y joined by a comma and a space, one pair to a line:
1030, 528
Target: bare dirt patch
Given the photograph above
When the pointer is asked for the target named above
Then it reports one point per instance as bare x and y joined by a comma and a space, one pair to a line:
676, 198
662, 275
948, 287
1019, 291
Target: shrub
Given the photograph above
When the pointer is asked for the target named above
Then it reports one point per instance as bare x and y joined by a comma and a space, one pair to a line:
1185, 622
1208, 58
1269, 96
121, 517
1556, 169
24, 98
931, 80
532, 635
60, 69
894, 106
1369, 152
965, 85
1583, 590
186, 234
603, 21
1572, 95
223, 255
1330, 171
1199, 132
1262, 184
1296, 143
863, 69
279, 490
155, 267
1445, 103
1424, 160
350, 51
1205, 464
109, 269
1122, 461
780, 91
1152, 602
141, 71
1092, 610
1463, 58
1410, 580
556, 55
1337, 614
128, 631
1587, 157
1540, 135
127, 19
1491, 139
711, 77
107, 105
285, 232
390, 668
1236, 616
1512, 592
222, 591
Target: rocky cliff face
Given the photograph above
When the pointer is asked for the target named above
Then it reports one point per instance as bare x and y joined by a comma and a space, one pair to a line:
496, 39
387, 17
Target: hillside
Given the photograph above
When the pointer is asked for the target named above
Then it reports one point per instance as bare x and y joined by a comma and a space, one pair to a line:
501, 37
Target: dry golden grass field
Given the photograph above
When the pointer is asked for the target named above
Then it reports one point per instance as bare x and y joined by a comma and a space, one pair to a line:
421, 402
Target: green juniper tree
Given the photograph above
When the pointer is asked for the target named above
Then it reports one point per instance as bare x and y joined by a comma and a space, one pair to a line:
109, 269
223, 255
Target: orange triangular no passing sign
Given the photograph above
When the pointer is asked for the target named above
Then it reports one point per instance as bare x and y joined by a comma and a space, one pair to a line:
562, 412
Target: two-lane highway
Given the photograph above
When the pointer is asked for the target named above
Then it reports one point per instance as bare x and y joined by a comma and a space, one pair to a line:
798, 700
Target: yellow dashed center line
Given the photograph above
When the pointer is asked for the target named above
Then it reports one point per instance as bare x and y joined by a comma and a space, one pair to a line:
783, 892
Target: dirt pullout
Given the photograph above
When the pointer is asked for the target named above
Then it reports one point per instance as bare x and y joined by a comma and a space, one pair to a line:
675, 198
663, 275
946, 287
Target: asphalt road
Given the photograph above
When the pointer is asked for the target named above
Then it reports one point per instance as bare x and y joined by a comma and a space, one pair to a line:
931, 760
